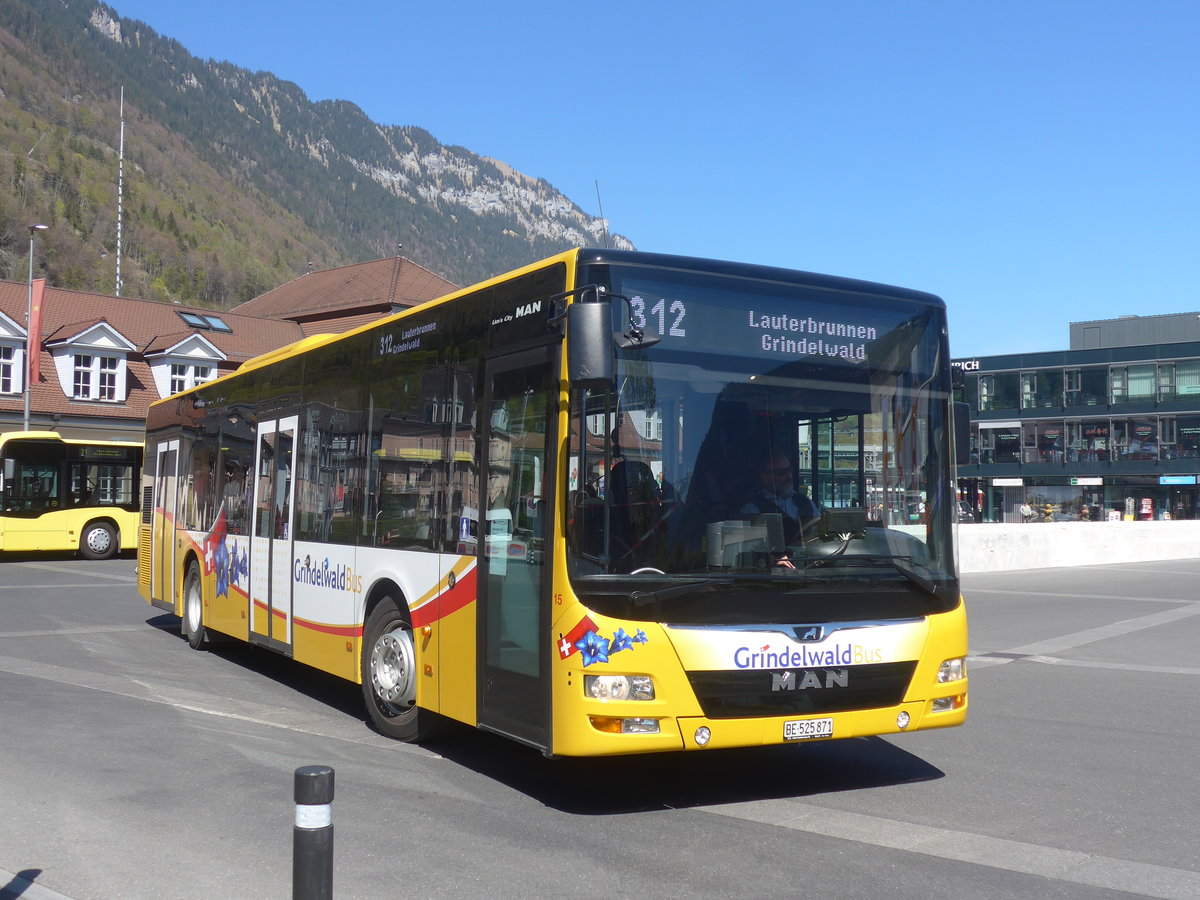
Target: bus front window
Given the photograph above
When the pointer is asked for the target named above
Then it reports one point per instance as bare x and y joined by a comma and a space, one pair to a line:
712, 470
29, 486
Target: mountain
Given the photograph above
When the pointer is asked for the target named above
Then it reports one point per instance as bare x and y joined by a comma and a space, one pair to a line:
234, 181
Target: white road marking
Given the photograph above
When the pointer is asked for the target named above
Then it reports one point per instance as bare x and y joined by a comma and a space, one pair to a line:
20, 887
1104, 632
74, 570
1070, 866
271, 716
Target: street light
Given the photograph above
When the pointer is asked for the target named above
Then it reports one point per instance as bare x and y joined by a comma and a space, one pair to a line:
31, 346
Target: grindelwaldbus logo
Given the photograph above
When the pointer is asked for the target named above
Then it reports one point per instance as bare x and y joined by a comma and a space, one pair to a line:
323, 574
803, 656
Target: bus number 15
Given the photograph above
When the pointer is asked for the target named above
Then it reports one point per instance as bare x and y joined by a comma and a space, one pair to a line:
660, 313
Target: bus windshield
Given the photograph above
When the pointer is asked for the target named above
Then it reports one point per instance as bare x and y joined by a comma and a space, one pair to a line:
44, 475
782, 443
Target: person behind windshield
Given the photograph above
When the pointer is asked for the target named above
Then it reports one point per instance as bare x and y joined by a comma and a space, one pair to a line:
777, 494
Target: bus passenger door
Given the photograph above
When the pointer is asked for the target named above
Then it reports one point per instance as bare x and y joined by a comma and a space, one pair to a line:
162, 540
271, 534
514, 690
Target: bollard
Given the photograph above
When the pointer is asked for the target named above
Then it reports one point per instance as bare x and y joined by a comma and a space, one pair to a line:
312, 836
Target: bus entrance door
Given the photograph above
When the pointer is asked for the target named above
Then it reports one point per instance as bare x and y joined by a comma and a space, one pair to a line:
271, 534
162, 563
514, 594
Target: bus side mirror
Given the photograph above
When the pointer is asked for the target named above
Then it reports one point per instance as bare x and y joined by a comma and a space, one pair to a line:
10, 470
590, 344
962, 434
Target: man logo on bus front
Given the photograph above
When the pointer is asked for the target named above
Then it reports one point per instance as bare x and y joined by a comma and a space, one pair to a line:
809, 632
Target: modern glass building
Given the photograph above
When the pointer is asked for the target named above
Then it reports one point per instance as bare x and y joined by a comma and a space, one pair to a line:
1107, 429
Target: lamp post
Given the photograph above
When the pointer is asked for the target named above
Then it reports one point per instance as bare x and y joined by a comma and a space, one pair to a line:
31, 345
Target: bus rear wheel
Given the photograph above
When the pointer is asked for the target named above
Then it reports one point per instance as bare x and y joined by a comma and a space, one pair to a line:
193, 609
99, 541
389, 675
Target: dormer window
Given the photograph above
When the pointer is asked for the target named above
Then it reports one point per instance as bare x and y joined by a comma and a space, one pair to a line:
186, 375
96, 377
183, 365
92, 364
10, 381
12, 356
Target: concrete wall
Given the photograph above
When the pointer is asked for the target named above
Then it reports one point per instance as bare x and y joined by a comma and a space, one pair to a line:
1037, 545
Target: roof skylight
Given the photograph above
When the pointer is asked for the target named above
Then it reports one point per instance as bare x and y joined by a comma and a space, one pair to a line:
205, 322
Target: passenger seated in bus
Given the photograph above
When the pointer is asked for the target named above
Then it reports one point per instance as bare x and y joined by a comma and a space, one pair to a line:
636, 509
777, 493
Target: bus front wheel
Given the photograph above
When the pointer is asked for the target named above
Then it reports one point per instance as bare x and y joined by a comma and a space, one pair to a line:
99, 541
389, 674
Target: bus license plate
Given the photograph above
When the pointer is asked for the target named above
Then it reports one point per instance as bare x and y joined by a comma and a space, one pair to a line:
804, 729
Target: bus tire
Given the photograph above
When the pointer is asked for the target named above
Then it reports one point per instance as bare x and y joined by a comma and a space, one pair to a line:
99, 540
193, 609
389, 674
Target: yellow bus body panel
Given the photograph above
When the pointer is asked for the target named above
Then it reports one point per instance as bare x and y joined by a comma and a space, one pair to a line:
457, 674
334, 648
654, 650
63, 529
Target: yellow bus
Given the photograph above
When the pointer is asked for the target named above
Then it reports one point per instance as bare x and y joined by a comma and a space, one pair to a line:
535, 506
62, 494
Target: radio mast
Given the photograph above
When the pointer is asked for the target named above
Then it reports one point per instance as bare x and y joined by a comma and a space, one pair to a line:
120, 188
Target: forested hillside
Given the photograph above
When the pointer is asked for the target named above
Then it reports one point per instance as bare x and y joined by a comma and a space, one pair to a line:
234, 182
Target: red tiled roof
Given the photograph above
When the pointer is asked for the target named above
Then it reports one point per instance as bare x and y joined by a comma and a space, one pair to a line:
149, 325
362, 289
163, 342
326, 302
340, 324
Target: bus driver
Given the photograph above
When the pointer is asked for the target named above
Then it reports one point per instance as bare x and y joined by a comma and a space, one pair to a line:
777, 494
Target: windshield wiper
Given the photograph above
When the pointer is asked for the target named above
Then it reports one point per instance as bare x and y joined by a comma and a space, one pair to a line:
900, 564
641, 599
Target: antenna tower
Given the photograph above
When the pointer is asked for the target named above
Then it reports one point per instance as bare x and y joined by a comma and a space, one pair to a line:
120, 187
600, 203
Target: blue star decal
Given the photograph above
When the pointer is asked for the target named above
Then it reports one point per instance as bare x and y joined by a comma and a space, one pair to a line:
221, 563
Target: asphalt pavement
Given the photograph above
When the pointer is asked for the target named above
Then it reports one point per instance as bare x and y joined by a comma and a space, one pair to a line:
134, 767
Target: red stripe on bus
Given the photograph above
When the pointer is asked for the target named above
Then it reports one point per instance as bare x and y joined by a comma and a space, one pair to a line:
459, 596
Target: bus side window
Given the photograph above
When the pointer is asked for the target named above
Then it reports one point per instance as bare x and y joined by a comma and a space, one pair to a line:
233, 496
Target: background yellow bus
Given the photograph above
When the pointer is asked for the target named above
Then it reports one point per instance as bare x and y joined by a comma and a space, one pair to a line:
526, 506
60, 494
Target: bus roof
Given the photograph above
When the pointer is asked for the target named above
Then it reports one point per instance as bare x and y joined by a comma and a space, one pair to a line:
599, 256
10, 436
592, 255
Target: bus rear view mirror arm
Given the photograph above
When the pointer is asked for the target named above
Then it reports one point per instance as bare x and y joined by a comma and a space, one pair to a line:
590, 338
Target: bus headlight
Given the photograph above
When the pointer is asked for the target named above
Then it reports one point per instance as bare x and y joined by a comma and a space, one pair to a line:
952, 670
611, 725
946, 704
618, 687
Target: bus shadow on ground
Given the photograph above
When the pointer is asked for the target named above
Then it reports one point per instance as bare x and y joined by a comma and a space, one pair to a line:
623, 784
338, 694
659, 781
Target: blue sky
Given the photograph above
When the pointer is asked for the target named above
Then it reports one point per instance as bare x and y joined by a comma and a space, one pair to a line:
1034, 163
